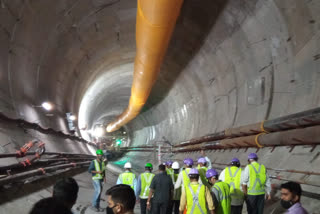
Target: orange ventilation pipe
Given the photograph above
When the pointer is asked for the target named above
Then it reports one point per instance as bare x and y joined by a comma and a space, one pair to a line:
155, 23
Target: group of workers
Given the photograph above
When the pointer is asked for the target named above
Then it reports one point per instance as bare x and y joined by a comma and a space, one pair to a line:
194, 190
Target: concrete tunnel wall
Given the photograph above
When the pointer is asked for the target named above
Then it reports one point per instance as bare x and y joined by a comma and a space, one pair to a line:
229, 63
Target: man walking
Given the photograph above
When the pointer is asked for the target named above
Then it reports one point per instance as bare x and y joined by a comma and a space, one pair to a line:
143, 185
196, 197
232, 176
97, 169
175, 203
255, 185
221, 193
128, 177
162, 188
183, 178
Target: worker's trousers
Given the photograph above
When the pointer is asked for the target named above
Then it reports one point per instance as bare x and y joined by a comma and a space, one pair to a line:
97, 185
255, 204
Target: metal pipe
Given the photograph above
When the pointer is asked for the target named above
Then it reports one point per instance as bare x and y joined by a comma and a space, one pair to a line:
305, 136
27, 125
40, 171
155, 23
293, 121
297, 181
12, 155
39, 162
278, 170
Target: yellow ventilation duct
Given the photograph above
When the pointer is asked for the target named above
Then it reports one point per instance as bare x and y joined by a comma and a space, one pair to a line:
155, 23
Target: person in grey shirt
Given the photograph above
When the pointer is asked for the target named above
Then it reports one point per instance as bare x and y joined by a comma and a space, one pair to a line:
162, 189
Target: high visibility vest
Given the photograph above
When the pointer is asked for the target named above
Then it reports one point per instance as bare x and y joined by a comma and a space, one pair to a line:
185, 176
202, 172
223, 197
169, 171
257, 178
177, 192
127, 178
232, 177
146, 179
97, 168
196, 198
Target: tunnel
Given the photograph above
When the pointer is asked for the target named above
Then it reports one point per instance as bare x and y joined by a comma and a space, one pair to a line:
237, 76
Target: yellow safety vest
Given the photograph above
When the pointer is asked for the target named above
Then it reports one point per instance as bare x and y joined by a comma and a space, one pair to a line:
232, 177
169, 171
146, 179
223, 197
97, 168
185, 176
177, 192
127, 178
202, 172
257, 178
196, 198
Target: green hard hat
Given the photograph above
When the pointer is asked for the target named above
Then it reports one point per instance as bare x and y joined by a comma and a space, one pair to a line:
149, 165
99, 152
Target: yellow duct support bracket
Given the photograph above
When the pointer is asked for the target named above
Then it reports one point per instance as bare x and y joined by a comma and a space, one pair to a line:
155, 23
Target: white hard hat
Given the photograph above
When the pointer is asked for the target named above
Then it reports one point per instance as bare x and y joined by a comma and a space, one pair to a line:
175, 165
127, 165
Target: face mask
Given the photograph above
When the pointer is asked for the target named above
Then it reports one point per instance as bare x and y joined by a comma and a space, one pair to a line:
286, 204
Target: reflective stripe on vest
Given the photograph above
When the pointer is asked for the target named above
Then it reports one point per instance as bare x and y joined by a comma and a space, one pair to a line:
233, 177
185, 176
222, 194
146, 179
257, 179
196, 201
127, 178
97, 168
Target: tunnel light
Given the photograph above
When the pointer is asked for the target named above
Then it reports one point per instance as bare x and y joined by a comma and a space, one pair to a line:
124, 132
109, 128
47, 106
98, 132
73, 117
118, 141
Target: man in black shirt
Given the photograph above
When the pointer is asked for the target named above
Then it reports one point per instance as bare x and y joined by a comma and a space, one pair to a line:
162, 188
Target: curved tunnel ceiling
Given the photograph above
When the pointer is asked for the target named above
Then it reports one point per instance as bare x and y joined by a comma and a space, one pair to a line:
229, 63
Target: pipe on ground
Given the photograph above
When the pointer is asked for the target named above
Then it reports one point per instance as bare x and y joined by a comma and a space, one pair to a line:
40, 171
155, 23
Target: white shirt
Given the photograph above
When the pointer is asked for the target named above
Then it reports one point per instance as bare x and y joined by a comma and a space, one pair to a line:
222, 177
246, 180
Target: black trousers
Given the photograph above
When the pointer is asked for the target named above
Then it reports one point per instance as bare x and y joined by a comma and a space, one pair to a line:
143, 206
175, 205
236, 209
159, 207
255, 204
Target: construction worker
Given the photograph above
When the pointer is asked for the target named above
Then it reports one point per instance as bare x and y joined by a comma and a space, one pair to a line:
128, 177
221, 193
232, 176
208, 164
183, 178
196, 197
255, 185
175, 203
169, 168
97, 169
202, 171
143, 185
